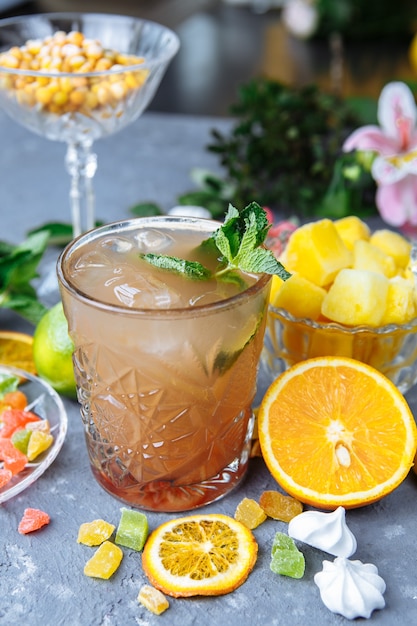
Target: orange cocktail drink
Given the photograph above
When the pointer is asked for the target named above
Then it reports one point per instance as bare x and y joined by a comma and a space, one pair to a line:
166, 365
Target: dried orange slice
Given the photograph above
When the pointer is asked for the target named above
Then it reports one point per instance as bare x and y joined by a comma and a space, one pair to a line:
336, 432
16, 350
209, 555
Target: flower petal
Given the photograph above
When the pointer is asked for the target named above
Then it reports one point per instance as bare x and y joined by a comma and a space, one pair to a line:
397, 113
370, 138
388, 171
397, 203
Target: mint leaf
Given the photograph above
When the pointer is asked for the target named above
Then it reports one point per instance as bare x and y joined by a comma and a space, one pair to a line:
192, 269
8, 383
240, 241
18, 266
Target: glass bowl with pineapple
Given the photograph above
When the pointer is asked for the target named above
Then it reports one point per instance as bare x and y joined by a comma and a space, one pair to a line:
352, 293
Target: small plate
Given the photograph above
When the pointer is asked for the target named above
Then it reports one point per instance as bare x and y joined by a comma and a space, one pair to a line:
45, 402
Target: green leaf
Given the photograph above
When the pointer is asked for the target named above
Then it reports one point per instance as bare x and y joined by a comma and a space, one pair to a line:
27, 306
146, 209
18, 266
59, 233
240, 240
8, 383
190, 269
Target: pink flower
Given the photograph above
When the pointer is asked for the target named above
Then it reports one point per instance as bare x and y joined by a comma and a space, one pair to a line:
395, 142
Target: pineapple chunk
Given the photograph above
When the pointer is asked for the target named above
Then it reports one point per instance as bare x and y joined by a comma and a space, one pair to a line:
356, 297
394, 244
400, 307
369, 257
316, 252
276, 284
300, 297
351, 229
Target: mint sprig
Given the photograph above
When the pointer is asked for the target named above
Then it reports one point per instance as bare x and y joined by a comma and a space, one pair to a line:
240, 242
18, 267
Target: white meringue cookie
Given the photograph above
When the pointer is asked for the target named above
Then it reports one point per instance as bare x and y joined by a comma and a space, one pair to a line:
350, 588
325, 531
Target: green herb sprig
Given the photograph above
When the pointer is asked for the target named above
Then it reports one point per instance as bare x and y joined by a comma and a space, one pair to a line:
18, 266
240, 242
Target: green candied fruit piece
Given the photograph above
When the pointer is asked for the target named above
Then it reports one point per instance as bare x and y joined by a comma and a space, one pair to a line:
132, 530
20, 439
286, 559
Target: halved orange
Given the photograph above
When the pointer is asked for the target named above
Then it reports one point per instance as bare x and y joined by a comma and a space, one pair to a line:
16, 350
209, 555
336, 432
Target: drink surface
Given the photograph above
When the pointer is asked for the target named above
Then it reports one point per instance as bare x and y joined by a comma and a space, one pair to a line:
111, 270
166, 394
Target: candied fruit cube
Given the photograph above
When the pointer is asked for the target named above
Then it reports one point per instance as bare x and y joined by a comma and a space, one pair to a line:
39, 442
132, 530
394, 244
351, 228
356, 297
33, 519
13, 459
369, 257
280, 507
317, 252
104, 562
5, 477
20, 439
286, 558
153, 599
300, 297
95, 532
400, 306
249, 513
16, 419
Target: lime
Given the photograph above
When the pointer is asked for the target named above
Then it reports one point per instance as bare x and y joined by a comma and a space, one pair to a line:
52, 351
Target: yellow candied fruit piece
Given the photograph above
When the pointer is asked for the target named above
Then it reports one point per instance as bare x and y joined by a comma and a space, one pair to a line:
39, 442
153, 599
317, 252
104, 562
42, 425
400, 307
394, 244
368, 257
95, 532
351, 228
300, 297
356, 297
249, 513
280, 507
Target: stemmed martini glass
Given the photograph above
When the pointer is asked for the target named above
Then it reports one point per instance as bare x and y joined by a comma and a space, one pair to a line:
78, 77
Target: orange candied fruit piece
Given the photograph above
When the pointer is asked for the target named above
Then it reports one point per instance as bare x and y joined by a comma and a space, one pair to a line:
249, 513
153, 599
14, 419
15, 399
33, 519
13, 459
5, 477
280, 507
